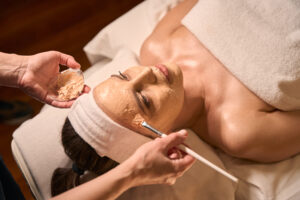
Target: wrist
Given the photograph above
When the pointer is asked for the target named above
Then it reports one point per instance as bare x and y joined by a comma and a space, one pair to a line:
132, 171
129, 173
12, 69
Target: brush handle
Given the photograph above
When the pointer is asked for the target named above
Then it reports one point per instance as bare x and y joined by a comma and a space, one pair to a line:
205, 161
208, 163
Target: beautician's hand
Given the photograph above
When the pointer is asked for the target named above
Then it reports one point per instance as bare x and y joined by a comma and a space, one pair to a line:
159, 162
156, 162
39, 70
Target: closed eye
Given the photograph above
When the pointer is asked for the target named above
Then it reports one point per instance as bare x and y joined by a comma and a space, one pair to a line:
146, 101
143, 102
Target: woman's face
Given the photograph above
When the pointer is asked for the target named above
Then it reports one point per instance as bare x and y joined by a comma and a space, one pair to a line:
152, 94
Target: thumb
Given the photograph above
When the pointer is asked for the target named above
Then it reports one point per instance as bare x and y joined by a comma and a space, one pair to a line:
69, 61
174, 139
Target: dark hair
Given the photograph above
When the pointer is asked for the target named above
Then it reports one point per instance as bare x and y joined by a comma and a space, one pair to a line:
84, 157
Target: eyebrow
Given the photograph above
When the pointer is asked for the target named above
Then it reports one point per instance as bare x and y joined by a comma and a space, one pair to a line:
117, 76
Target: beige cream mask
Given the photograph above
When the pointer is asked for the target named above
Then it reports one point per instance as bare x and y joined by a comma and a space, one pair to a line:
67, 85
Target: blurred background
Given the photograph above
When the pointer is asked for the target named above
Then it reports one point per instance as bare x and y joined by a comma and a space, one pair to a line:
31, 26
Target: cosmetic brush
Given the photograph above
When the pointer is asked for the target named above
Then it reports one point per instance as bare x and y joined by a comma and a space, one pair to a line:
192, 153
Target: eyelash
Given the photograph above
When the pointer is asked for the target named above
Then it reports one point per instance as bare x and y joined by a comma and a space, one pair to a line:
146, 101
123, 75
144, 98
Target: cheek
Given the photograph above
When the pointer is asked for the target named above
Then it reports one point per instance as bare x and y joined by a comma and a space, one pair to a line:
136, 122
118, 104
169, 101
168, 106
131, 117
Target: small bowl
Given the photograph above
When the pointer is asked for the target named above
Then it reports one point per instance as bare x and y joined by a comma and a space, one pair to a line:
68, 85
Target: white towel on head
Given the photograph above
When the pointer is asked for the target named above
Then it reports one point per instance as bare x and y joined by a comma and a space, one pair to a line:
107, 137
258, 41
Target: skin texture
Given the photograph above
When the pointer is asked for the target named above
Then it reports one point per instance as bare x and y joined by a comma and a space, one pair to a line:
164, 96
217, 106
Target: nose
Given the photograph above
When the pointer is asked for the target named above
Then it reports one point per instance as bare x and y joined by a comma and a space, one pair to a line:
146, 76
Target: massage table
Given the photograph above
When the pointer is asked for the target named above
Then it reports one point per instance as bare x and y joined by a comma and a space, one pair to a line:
37, 148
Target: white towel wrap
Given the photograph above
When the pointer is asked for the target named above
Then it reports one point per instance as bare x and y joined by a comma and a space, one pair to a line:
107, 137
258, 41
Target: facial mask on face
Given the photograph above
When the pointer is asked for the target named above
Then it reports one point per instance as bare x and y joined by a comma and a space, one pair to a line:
103, 134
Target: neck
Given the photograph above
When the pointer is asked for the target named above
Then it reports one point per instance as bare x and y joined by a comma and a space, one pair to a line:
194, 98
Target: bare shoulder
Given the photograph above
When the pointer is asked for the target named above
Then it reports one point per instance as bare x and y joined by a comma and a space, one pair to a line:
259, 133
234, 113
156, 48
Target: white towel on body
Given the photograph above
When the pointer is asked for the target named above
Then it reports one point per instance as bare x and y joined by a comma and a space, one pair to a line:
258, 41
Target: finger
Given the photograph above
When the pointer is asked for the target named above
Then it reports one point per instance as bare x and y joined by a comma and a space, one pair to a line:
86, 89
171, 181
59, 104
174, 153
174, 139
69, 61
173, 156
184, 163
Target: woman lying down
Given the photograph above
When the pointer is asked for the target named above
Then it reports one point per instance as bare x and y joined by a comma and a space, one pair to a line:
197, 93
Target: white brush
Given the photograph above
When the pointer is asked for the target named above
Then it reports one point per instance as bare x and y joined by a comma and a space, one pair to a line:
194, 154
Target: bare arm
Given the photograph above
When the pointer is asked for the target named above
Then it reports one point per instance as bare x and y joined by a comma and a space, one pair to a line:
266, 136
150, 164
160, 38
172, 20
107, 186
277, 136
11, 69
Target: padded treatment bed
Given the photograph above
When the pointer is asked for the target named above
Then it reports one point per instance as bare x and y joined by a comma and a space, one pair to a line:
38, 151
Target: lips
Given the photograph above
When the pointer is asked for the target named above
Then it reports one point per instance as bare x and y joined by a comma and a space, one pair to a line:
164, 70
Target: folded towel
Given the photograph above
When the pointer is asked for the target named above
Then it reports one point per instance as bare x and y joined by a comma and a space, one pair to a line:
258, 41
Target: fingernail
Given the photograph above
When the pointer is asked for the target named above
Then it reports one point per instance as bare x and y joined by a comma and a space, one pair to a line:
183, 132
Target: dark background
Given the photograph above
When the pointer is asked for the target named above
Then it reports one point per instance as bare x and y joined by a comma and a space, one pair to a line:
31, 26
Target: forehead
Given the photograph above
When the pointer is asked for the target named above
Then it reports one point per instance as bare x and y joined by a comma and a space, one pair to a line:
113, 95
135, 68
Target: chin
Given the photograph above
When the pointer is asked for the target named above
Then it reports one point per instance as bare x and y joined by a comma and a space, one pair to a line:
174, 68
176, 73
